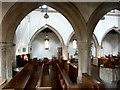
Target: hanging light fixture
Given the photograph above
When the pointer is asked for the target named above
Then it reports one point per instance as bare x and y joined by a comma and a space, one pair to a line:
46, 42
46, 16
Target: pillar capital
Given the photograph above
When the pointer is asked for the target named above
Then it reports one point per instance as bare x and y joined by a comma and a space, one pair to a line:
83, 45
6, 44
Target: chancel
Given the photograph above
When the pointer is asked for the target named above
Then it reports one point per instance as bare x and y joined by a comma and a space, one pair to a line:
60, 45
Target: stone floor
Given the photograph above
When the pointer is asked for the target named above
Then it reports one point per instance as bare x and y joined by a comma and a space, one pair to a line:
95, 72
2, 83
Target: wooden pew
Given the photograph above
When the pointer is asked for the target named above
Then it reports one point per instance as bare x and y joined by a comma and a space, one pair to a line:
40, 84
65, 82
40, 78
91, 84
20, 80
73, 72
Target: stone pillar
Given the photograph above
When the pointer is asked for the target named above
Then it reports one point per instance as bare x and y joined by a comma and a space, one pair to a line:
7, 58
65, 58
83, 59
3, 62
65, 52
119, 45
84, 56
79, 78
10, 61
0, 35
99, 51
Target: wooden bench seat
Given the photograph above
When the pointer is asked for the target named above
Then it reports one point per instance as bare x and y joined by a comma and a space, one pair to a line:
90, 83
19, 81
44, 88
65, 81
40, 78
44, 82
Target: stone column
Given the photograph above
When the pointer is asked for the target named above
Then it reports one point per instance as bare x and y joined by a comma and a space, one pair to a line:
3, 62
7, 58
79, 78
99, 51
118, 44
0, 35
10, 61
65, 52
84, 61
65, 58
84, 56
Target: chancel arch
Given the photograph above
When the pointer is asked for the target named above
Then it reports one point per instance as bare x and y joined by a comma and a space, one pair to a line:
50, 27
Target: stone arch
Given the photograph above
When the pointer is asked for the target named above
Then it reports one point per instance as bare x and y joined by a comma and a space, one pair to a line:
20, 9
96, 43
71, 35
98, 13
51, 28
95, 40
102, 9
113, 28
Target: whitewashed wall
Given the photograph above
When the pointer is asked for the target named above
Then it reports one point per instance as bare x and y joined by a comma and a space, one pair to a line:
110, 44
38, 49
34, 21
104, 25
71, 50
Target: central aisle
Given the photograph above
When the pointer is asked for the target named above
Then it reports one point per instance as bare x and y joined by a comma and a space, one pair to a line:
33, 79
48, 78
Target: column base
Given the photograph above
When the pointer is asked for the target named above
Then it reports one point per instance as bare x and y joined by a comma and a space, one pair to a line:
79, 79
2, 81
